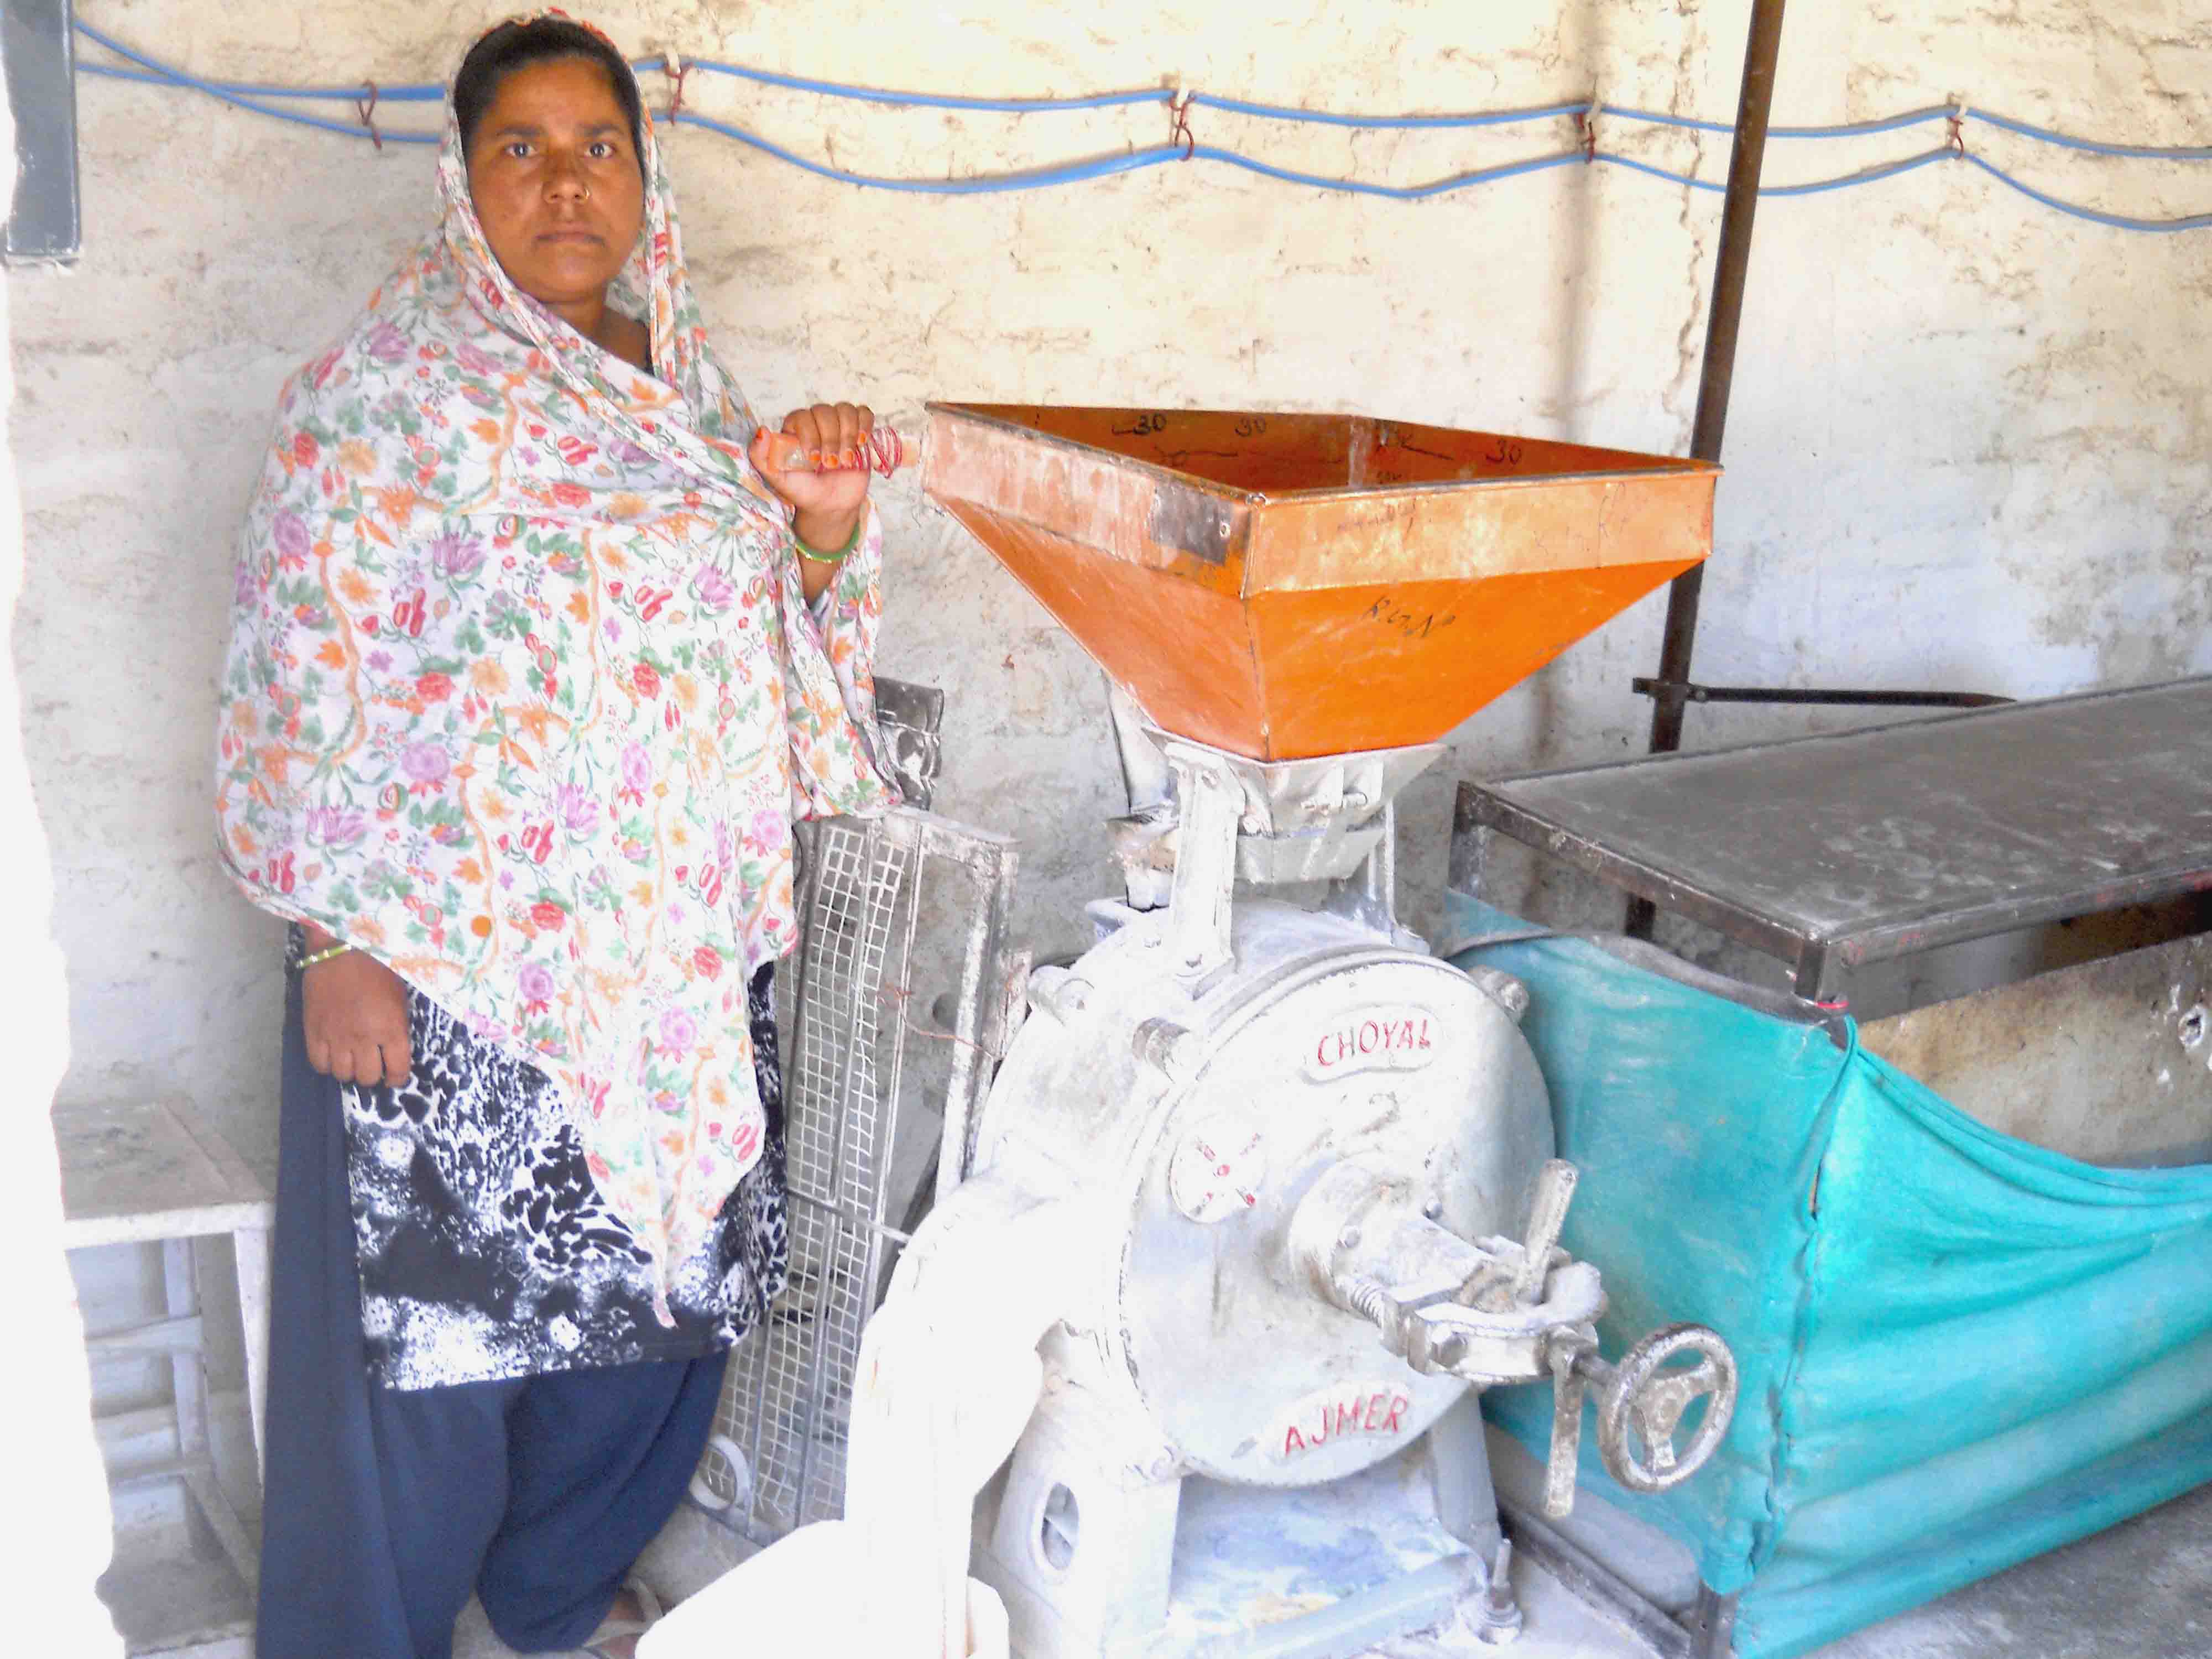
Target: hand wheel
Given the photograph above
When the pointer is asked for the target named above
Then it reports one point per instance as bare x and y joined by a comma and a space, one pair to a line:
1641, 1401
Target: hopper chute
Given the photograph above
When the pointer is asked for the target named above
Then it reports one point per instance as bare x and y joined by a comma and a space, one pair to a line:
1285, 587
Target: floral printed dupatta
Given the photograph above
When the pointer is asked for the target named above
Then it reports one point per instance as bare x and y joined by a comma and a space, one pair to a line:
523, 694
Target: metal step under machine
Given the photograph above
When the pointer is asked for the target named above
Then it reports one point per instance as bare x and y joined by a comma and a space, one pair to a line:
1309, 1166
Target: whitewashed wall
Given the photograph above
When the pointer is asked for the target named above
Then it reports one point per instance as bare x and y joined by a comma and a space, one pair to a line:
53, 1459
1971, 442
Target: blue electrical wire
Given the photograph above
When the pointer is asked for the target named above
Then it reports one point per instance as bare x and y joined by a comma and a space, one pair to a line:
1393, 192
1865, 176
986, 185
1911, 163
2095, 147
389, 135
1322, 117
1689, 122
1107, 167
432, 92
925, 100
1819, 186
245, 95
348, 95
2094, 215
1847, 129
179, 77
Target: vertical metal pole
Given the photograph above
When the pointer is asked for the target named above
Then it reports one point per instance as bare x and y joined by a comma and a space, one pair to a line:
1754, 106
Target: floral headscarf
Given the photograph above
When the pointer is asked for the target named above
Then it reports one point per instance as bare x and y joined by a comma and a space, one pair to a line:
523, 693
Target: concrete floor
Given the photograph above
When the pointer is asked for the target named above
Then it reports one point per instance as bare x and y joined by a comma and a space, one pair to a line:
2140, 1590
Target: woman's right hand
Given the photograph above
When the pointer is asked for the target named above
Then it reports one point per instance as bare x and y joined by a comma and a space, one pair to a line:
355, 1012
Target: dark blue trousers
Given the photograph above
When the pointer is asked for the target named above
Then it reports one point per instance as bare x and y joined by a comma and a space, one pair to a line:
383, 1508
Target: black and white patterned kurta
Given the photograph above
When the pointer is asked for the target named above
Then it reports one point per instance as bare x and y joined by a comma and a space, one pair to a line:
485, 1251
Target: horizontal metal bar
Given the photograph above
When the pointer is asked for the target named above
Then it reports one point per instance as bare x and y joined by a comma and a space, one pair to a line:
1689, 691
859, 1221
185, 1334
1487, 811
1879, 942
1593, 1583
1409, 1601
1953, 926
2185, 686
155, 1474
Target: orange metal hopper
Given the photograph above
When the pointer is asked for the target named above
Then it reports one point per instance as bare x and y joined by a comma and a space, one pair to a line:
1289, 585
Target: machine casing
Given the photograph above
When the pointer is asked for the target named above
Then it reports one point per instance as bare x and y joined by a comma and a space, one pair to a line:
1188, 1123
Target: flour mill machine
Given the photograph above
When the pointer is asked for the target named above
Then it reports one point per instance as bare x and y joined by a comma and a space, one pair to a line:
1310, 1165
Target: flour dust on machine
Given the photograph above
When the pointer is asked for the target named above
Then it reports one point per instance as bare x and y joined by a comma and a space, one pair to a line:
1305, 1168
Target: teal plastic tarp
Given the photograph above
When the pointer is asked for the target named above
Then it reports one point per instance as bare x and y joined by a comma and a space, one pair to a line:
1957, 1349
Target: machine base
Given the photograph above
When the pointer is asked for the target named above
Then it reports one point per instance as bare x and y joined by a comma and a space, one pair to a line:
1314, 1572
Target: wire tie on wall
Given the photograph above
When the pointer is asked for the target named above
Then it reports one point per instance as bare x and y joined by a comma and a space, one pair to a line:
1179, 104
366, 108
1959, 110
675, 69
1586, 124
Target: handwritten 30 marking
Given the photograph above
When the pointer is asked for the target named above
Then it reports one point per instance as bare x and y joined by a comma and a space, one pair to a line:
1388, 612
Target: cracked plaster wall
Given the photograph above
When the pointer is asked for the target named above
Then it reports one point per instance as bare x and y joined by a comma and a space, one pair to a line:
1971, 443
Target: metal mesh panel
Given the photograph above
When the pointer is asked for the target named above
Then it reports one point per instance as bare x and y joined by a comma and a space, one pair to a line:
887, 906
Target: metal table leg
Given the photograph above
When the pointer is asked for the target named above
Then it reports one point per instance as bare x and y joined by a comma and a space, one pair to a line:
251, 1247
1707, 1631
1712, 1624
1819, 975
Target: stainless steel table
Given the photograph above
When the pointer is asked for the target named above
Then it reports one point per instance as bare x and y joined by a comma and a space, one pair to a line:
1835, 851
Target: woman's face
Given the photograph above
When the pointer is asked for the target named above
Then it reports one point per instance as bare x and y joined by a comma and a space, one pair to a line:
556, 180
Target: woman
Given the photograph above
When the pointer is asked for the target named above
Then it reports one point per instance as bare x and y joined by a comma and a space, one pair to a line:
533, 659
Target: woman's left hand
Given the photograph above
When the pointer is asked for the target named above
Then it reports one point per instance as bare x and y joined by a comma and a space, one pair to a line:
826, 505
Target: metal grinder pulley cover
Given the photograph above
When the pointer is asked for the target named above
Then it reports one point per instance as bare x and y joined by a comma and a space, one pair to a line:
1196, 1126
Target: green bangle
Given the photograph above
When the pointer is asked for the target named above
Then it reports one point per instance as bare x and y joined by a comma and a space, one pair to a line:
838, 557
334, 951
